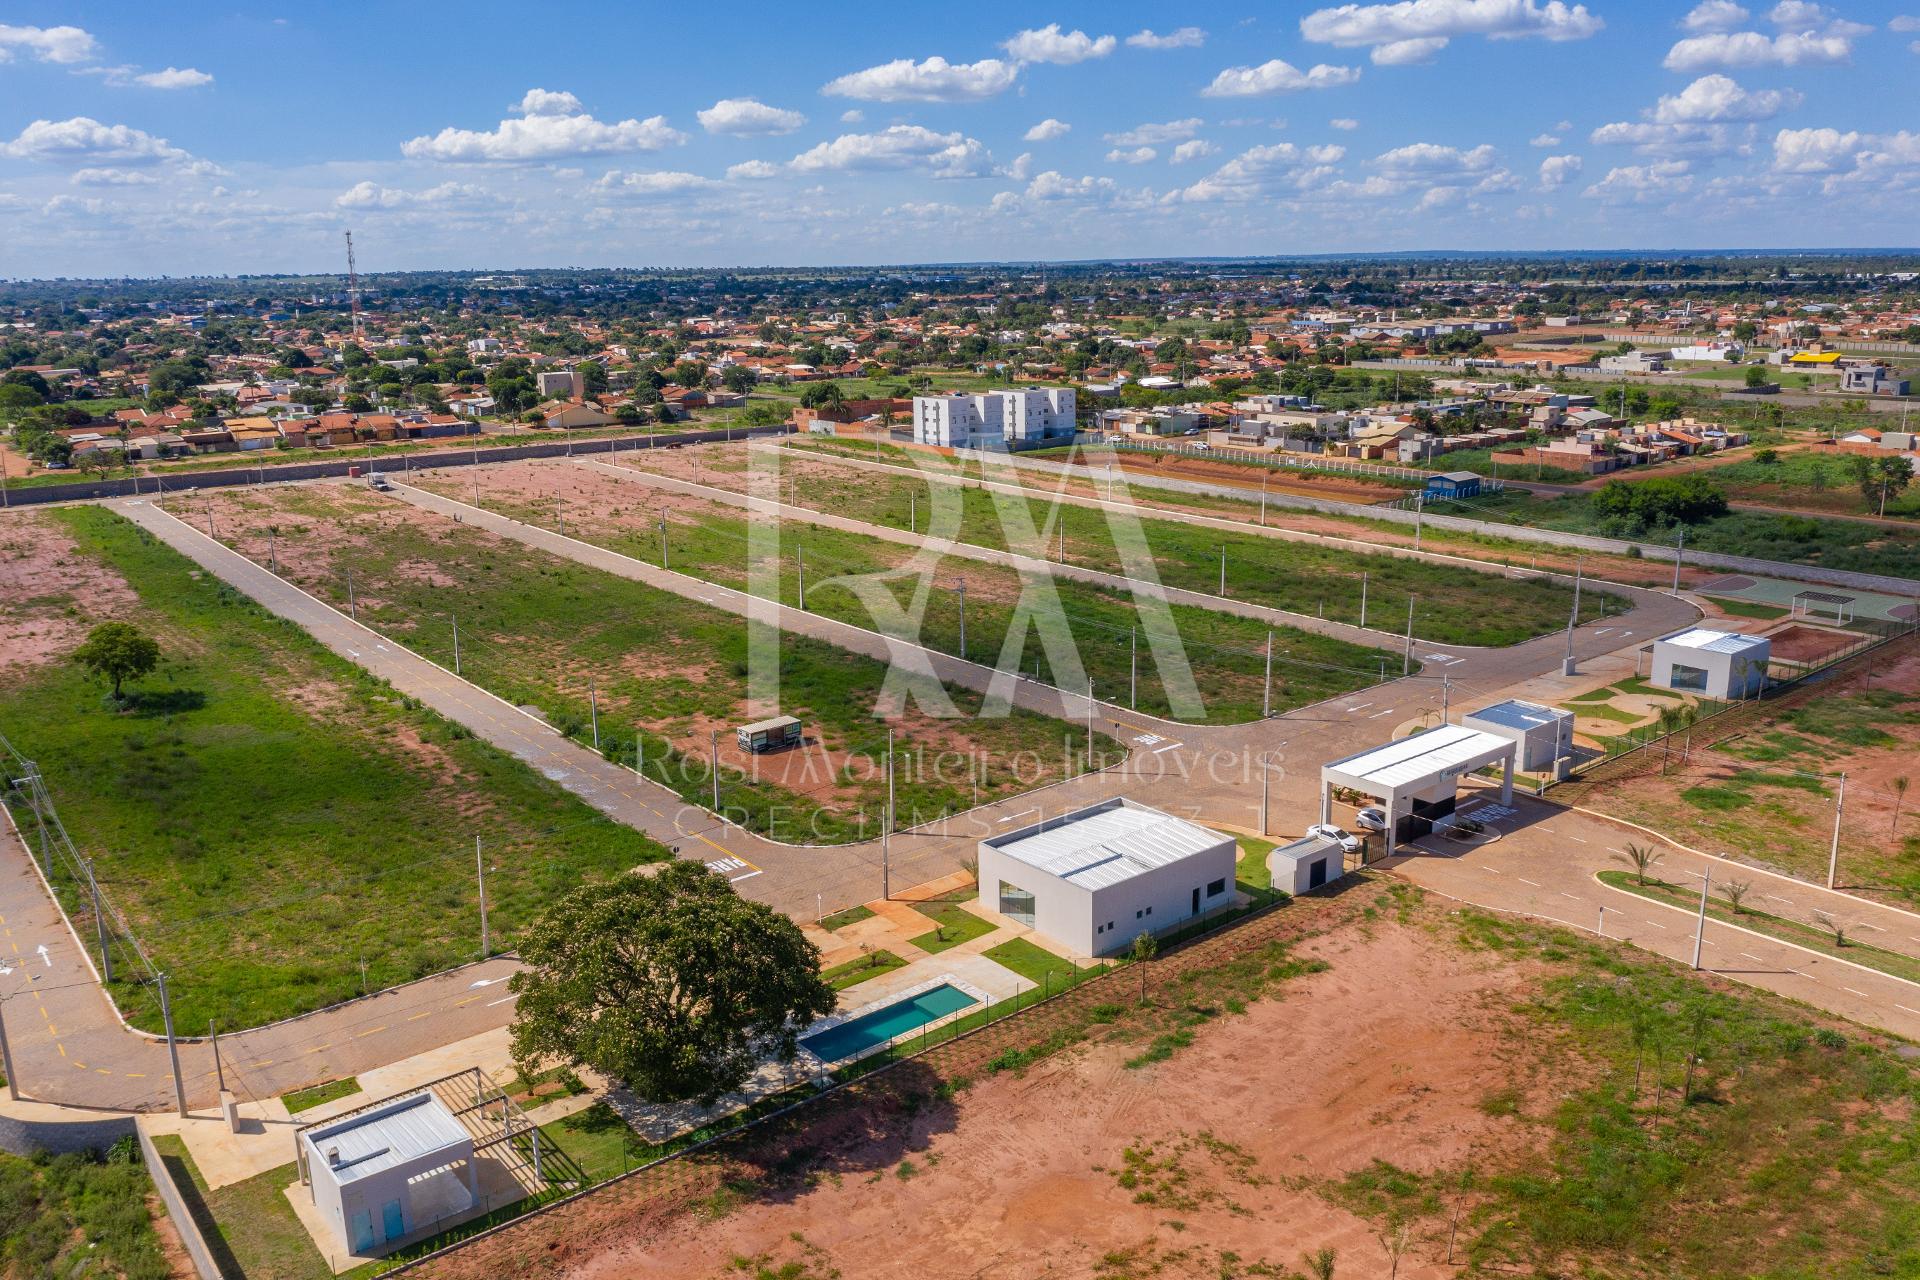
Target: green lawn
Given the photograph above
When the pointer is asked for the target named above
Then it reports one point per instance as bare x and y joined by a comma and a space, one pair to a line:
1748, 608
79, 1216
953, 925
542, 631
268, 816
1039, 966
307, 1099
1455, 605
838, 920
854, 972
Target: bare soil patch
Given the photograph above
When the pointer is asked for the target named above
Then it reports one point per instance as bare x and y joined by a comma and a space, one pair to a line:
1311, 484
50, 593
1799, 643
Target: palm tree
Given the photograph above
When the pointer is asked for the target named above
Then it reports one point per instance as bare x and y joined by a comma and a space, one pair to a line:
1735, 892
1320, 1263
1899, 785
1641, 857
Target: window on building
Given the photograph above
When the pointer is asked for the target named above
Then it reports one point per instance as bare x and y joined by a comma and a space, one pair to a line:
1216, 888
1016, 904
1687, 678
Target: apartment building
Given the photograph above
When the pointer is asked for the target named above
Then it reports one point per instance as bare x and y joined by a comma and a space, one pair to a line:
993, 419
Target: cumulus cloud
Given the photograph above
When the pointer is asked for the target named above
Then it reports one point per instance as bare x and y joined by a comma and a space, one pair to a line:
84, 140
1192, 149
1134, 155
666, 182
1258, 170
1277, 76
1753, 49
1717, 99
1641, 183
753, 170
1715, 15
1558, 171
1544, 140
1343, 123
1848, 157
1650, 138
550, 126
1047, 130
113, 178
1414, 30
902, 146
1433, 160
173, 78
1157, 134
852, 115
64, 45
371, 195
934, 80
748, 116
1184, 38
1904, 23
1053, 185
1061, 48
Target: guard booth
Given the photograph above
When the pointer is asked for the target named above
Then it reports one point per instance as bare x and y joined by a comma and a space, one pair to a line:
776, 734
1417, 779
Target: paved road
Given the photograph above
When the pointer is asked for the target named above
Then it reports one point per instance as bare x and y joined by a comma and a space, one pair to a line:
1545, 862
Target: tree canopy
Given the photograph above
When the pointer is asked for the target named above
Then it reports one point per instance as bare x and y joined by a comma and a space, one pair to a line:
670, 982
1687, 499
118, 651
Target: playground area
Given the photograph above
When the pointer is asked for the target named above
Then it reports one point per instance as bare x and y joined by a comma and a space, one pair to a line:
1796, 600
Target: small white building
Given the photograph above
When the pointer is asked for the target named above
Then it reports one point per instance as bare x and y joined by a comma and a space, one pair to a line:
1417, 779
993, 419
1095, 878
1543, 734
1714, 664
1306, 864
386, 1172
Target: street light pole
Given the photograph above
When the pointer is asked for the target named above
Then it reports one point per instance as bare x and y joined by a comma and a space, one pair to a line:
1363, 600
1833, 854
886, 828
713, 765
963, 619
1406, 657
1266, 692
480, 875
1700, 926
173, 1047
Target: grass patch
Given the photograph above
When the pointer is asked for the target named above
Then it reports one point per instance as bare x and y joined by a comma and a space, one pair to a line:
1039, 966
839, 920
79, 1216
1747, 608
307, 1099
263, 788
953, 925
854, 972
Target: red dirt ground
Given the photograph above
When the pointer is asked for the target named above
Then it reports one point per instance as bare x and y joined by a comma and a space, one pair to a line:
1386, 1055
1798, 643
41, 573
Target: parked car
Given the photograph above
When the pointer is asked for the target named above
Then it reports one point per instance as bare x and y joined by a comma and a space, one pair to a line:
1348, 842
1372, 818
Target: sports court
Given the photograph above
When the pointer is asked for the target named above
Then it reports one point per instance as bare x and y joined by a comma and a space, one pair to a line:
1815, 605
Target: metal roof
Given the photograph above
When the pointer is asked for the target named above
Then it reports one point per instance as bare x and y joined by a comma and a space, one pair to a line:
1107, 843
1451, 748
392, 1134
1716, 641
1515, 714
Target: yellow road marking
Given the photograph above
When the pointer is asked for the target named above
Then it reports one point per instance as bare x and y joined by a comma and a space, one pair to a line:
62, 1048
416, 1016
364, 1034
136, 1075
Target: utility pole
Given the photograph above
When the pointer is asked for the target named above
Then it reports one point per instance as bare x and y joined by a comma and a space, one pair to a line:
100, 923
713, 765
1419, 518
1266, 776
1133, 667
1223, 569
1264, 477
173, 1048
1363, 600
913, 513
1833, 854
1406, 658
353, 609
1700, 925
593, 710
800, 565
219, 1069
663, 539
963, 619
1679, 550
1266, 692
886, 828
480, 876
456, 642
1446, 698
6, 1056
273, 554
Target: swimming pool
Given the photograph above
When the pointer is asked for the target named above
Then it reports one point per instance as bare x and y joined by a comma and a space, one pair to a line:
883, 1024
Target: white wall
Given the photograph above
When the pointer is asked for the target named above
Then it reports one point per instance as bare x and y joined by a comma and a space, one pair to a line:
1070, 914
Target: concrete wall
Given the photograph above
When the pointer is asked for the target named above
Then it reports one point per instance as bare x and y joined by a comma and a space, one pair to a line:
183, 1220
25, 1137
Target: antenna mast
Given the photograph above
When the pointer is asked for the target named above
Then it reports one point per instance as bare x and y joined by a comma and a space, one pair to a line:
353, 290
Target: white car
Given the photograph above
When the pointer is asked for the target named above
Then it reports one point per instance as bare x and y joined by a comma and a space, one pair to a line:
1348, 842
1372, 818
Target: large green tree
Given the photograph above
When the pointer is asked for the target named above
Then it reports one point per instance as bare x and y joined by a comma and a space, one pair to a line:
669, 982
118, 651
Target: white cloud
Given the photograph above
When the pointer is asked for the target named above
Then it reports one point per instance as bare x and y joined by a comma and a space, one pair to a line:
83, 139
1053, 185
1717, 99
1814, 150
1642, 183
64, 45
550, 126
852, 115
1061, 48
1432, 160
748, 116
1407, 53
934, 80
1752, 49
113, 178
1544, 140
1047, 130
1258, 170
1558, 171
753, 170
1850, 157
1192, 149
371, 195
902, 146
1184, 38
1136, 155
1020, 169
666, 182
1715, 15
547, 102
1157, 134
1668, 140
1903, 23
1346, 123
173, 78
1414, 30
1277, 76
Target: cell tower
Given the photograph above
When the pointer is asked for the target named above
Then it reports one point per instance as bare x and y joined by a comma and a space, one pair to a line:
353, 290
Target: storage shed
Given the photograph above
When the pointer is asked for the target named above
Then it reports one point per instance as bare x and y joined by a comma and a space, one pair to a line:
1543, 734
1095, 878
380, 1174
1453, 484
1306, 864
769, 735
1714, 664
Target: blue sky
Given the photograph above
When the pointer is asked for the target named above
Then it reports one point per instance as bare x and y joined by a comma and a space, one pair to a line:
226, 140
